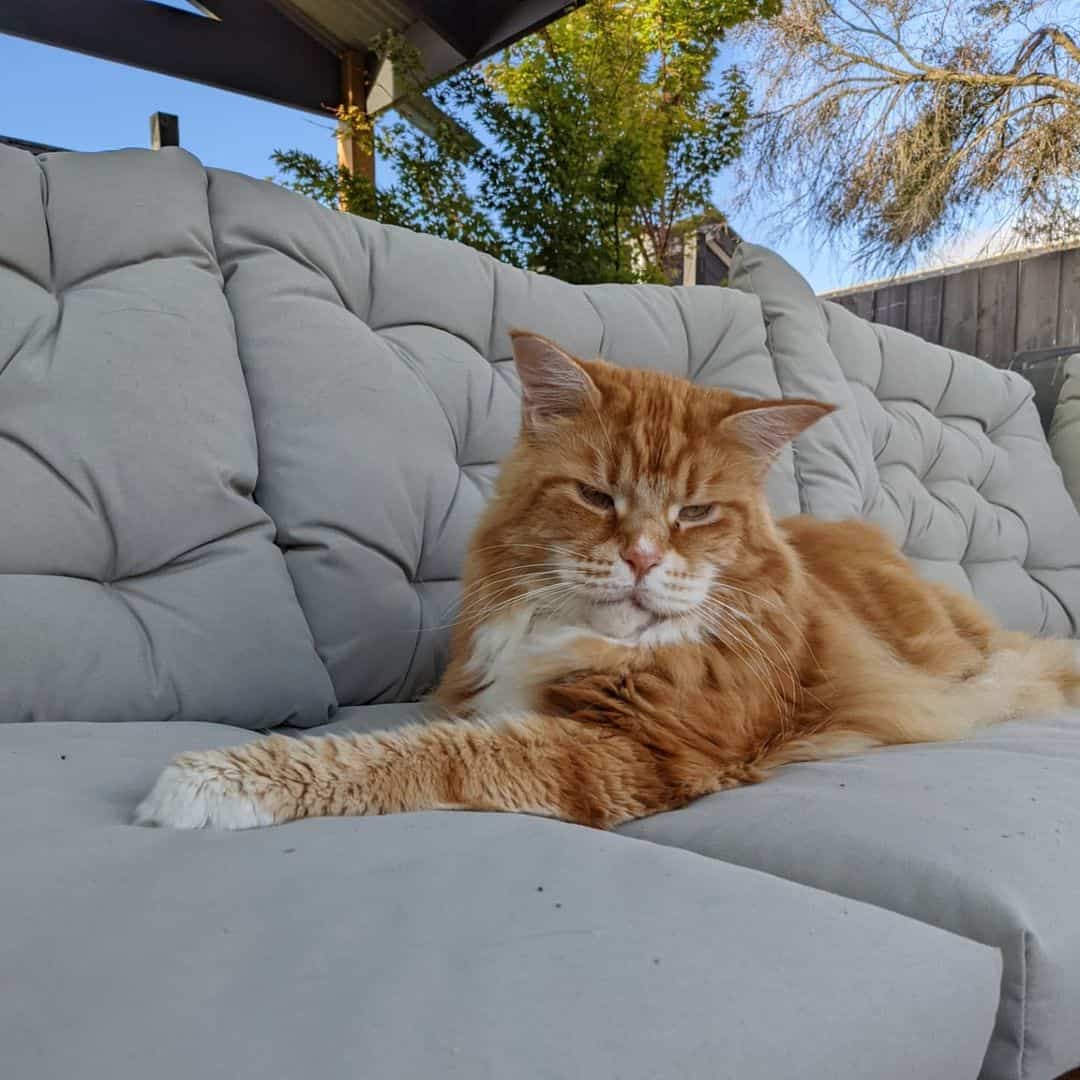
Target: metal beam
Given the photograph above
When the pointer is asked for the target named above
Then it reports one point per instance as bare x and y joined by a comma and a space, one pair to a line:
246, 45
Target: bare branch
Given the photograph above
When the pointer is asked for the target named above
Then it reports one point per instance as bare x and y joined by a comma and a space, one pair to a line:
860, 132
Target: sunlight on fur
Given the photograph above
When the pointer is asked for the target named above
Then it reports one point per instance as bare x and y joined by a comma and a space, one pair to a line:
636, 631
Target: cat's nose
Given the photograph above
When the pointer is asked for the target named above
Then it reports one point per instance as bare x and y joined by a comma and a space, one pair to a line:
641, 556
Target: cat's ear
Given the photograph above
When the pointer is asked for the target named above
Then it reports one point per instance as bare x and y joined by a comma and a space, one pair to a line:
553, 384
766, 427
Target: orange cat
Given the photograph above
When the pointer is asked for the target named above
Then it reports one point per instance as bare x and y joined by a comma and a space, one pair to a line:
637, 631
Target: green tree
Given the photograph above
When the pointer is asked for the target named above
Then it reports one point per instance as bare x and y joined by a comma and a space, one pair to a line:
599, 138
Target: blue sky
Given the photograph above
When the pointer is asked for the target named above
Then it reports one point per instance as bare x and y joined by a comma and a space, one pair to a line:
65, 99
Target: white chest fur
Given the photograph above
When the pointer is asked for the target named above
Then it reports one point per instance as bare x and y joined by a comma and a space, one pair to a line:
508, 652
504, 656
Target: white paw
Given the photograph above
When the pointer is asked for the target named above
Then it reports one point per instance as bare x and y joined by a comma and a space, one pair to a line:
196, 795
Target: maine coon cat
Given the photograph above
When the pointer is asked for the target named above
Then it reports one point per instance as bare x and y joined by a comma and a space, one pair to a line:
637, 631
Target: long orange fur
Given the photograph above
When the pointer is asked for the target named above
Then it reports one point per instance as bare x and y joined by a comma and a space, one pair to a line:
816, 639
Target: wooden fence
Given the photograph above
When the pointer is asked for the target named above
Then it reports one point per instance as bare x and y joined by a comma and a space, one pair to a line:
995, 309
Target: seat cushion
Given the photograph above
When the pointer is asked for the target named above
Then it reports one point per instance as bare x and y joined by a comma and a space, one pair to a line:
138, 578
445, 945
981, 838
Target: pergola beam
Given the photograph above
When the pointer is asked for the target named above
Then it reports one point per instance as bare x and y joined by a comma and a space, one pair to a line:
482, 27
275, 49
248, 46
280, 51
464, 26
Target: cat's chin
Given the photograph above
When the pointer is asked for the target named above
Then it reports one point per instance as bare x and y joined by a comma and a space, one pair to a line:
622, 619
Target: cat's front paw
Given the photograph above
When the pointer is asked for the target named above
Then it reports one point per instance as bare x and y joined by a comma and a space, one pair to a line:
199, 791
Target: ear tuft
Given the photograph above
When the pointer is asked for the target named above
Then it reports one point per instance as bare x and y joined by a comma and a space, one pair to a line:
553, 384
766, 427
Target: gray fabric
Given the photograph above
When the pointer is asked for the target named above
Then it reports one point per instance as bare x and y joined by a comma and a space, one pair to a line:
979, 838
953, 460
368, 718
138, 579
422, 946
1065, 428
155, 319
966, 482
378, 364
833, 460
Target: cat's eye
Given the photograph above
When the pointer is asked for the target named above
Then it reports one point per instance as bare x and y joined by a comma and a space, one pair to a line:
695, 513
595, 497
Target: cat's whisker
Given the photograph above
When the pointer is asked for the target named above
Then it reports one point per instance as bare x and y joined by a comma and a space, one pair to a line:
514, 571
750, 660
551, 548
504, 582
785, 669
491, 609
520, 573
799, 688
777, 605
530, 596
502, 590
720, 615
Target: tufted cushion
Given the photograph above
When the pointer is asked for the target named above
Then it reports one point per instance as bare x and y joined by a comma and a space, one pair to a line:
138, 579
832, 461
378, 363
1065, 428
957, 468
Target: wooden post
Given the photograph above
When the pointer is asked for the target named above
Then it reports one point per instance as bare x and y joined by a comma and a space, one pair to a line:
689, 258
164, 130
354, 153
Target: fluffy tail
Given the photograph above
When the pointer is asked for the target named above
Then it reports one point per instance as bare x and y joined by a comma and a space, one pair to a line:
902, 705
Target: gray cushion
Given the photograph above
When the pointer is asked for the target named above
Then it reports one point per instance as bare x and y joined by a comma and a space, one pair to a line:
1065, 428
422, 946
378, 363
138, 579
980, 838
833, 461
955, 465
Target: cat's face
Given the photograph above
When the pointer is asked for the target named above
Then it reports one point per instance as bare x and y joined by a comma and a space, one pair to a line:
635, 495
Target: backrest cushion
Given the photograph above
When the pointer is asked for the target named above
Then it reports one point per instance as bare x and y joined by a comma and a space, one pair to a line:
138, 578
1065, 428
378, 364
962, 475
